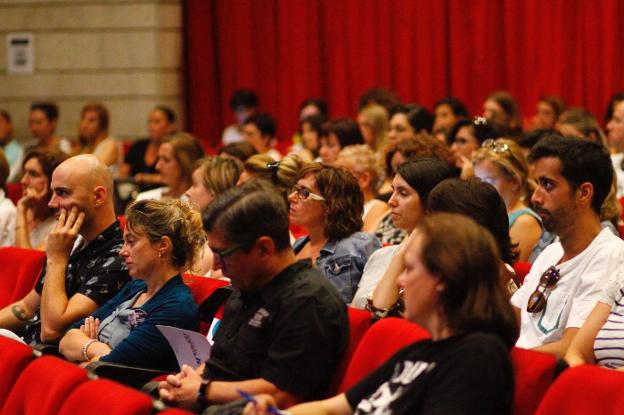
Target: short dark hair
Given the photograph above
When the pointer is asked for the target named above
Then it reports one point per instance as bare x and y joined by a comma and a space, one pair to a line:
381, 96
419, 117
248, 212
5, 114
169, 114
242, 150
243, 98
49, 108
319, 103
581, 161
481, 128
343, 198
458, 107
424, 174
264, 122
480, 201
345, 129
316, 122
530, 138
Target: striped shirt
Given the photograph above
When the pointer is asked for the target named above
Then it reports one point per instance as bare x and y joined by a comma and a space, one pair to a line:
609, 342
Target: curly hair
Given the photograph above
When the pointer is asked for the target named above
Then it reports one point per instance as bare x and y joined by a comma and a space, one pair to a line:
423, 145
343, 198
360, 158
172, 218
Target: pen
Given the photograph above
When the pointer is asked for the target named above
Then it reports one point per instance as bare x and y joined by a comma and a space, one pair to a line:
249, 398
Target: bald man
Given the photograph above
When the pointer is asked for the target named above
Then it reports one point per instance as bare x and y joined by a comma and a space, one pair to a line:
83, 267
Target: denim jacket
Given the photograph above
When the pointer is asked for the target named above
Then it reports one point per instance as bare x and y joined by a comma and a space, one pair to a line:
342, 262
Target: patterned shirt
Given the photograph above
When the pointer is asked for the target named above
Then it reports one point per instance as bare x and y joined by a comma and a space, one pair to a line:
95, 271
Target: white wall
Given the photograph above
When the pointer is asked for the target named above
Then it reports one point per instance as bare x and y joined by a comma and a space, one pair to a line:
125, 54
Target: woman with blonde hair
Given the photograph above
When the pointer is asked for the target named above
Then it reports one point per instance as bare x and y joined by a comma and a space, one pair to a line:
281, 173
213, 176
162, 238
502, 164
361, 162
176, 161
373, 122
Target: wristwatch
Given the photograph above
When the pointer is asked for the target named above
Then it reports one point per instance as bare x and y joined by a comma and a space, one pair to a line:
202, 399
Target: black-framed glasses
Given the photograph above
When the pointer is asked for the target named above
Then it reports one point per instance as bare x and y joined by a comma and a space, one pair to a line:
221, 255
537, 300
303, 193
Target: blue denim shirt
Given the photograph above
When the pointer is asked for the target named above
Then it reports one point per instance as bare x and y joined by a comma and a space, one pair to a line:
342, 262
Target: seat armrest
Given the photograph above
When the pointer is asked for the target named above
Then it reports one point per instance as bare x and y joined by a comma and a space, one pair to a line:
132, 376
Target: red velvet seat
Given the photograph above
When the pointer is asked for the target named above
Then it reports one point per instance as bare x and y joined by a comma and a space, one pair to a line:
105, 397
380, 342
359, 323
174, 411
585, 390
521, 269
14, 192
43, 387
534, 372
14, 357
18, 272
202, 288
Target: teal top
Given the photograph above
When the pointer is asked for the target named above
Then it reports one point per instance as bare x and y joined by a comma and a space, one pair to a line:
526, 211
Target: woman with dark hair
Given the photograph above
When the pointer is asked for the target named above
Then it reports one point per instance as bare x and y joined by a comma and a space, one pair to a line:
309, 132
408, 205
447, 112
451, 289
337, 134
240, 150
548, 110
140, 162
501, 109
466, 137
407, 121
35, 219
161, 240
328, 202
473, 198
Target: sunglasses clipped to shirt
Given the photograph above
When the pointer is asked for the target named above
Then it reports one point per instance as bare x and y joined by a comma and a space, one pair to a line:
537, 300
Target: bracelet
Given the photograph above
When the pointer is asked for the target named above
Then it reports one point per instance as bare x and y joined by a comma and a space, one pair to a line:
85, 347
202, 399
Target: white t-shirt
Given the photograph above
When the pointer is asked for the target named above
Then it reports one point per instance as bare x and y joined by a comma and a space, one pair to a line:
8, 214
616, 159
569, 303
374, 269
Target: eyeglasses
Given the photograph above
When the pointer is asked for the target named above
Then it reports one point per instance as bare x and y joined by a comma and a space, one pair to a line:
495, 146
537, 300
480, 121
221, 255
303, 194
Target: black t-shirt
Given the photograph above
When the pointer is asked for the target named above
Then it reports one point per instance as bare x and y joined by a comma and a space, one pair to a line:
136, 158
466, 374
292, 332
95, 271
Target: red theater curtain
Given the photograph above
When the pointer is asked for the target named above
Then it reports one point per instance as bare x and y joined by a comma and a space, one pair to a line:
289, 50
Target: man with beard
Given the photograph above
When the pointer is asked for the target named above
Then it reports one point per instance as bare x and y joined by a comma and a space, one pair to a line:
573, 177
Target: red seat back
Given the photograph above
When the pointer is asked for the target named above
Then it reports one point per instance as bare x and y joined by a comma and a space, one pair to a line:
43, 386
585, 390
14, 356
14, 192
18, 272
202, 288
521, 269
105, 397
359, 322
380, 342
533, 374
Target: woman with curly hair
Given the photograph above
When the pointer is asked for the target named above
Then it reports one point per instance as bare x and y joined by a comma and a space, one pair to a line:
161, 240
328, 202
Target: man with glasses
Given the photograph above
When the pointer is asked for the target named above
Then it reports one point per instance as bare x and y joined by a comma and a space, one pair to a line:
285, 327
574, 178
